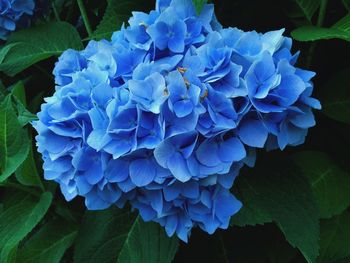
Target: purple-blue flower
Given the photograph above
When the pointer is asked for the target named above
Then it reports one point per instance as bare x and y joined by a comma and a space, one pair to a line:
165, 115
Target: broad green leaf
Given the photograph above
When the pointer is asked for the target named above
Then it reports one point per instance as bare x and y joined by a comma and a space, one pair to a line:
199, 5
330, 184
117, 13
116, 235
39, 43
27, 173
308, 7
312, 33
274, 191
335, 97
147, 242
17, 221
250, 214
14, 143
12, 255
24, 116
335, 239
18, 91
4, 50
49, 243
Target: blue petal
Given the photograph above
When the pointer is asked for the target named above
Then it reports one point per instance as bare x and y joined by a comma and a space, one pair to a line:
110, 194
94, 174
117, 171
178, 167
171, 224
232, 150
142, 172
126, 186
226, 205
101, 94
158, 33
253, 133
305, 120
98, 139
163, 153
171, 192
290, 89
146, 212
183, 108
83, 186
207, 153
183, 8
162, 4
94, 202
68, 192
190, 189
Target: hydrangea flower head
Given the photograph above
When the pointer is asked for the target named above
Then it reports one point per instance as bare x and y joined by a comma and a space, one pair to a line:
12, 13
165, 115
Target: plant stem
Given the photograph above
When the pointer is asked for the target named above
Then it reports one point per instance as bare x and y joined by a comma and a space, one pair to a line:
57, 16
224, 253
319, 23
322, 13
85, 17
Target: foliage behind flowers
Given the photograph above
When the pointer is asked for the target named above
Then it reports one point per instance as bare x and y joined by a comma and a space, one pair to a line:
164, 114
167, 125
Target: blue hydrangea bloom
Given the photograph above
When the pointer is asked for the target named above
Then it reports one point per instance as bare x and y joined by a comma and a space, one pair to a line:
165, 115
14, 13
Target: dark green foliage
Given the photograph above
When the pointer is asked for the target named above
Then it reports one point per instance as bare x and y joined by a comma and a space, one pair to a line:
276, 192
117, 235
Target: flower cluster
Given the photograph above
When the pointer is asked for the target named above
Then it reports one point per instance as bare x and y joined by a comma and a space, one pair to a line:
12, 13
165, 114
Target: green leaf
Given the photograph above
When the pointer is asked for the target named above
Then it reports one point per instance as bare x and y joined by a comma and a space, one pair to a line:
330, 184
49, 243
39, 43
250, 214
17, 221
199, 5
335, 97
14, 143
5, 49
308, 7
148, 241
276, 192
116, 235
335, 239
27, 173
24, 116
341, 30
18, 91
117, 13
